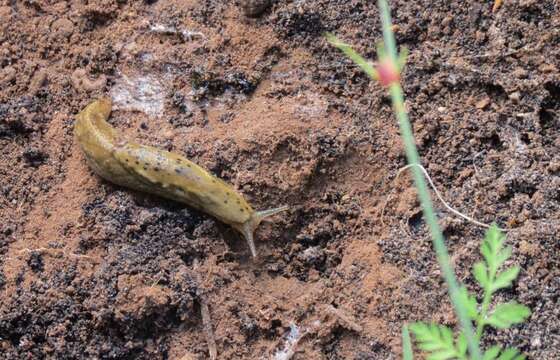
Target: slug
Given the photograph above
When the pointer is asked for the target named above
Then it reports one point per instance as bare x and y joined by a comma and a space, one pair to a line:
151, 170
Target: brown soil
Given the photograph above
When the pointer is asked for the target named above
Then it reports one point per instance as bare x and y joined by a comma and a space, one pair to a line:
92, 270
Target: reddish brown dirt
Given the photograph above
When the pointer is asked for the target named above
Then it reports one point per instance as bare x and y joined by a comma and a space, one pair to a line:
92, 270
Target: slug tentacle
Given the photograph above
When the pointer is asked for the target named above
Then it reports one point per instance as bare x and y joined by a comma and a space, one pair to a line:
270, 212
160, 172
248, 228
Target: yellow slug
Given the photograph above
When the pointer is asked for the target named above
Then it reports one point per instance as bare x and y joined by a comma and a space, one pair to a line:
160, 172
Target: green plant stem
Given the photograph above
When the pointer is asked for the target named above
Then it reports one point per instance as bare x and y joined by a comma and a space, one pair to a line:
429, 215
481, 319
396, 92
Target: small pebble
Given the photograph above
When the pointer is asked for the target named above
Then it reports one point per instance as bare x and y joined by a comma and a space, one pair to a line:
554, 166
38, 81
483, 103
515, 96
63, 27
5, 12
520, 73
7, 75
169, 134
547, 68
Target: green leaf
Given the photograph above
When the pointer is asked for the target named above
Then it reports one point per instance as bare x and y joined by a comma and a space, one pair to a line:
433, 338
494, 238
461, 345
469, 302
511, 354
487, 253
490, 249
353, 55
492, 353
480, 272
507, 314
446, 334
406, 344
401, 61
502, 256
443, 355
421, 331
505, 279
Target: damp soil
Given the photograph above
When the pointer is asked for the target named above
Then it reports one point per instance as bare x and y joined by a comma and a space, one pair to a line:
254, 93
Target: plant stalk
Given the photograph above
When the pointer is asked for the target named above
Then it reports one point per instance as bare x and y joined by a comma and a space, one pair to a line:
481, 319
397, 98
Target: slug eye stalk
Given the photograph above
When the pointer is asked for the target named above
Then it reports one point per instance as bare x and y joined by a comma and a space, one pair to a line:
248, 228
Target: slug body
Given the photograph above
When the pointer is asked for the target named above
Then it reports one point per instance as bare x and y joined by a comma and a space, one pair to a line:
160, 172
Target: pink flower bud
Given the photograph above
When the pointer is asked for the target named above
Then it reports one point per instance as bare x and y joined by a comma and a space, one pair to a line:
388, 72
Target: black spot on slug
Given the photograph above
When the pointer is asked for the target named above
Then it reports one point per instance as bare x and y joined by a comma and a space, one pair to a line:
145, 168
225, 201
178, 170
156, 169
240, 209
